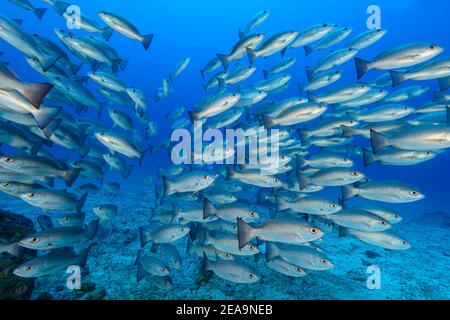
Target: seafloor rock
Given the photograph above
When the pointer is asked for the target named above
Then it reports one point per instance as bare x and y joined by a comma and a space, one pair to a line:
14, 227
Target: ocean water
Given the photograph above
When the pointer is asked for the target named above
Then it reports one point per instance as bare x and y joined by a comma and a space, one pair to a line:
199, 30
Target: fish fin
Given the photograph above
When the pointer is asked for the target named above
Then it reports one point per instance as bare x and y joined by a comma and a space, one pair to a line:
18, 21
81, 202
70, 176
300, 88
438, 96
167, 187
224, 60
154, 247
444, 84
194, 116
14, 249
145, 236
39, 12
368, 157
44, 222
265, 74
83, 255
205, 264
107, 33
36, 147
245, 233
123, 64
309, 73
91, 230
448, 115
115, 65
268, 122
202, 72
301, 162
230, 174
45, 116
397, 78
308, 50
84, 151
343, 232
138, 257
348, 192
312, 97
281, 204
378, 141
347, 131
362, 67
48, 61
303, 181
60, 7
141, 159
222, 83
251, 55
75, 68
208, 209
304, 135
283, 52
147, 41
271, 251
140, 273
36, 92
126, 174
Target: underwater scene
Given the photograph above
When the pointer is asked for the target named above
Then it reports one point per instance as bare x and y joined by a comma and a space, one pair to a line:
224, 150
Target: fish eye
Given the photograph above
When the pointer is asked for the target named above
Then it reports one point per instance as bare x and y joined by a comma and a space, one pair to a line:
251, 247
350, 49
383, 223
164, 269
325, 25
298, 269
405, 243
333, 205
205, 177
276, 180
414, 193
324, 261
355, 173
252, 214
251, 275
6, 185
314, 230
182, 229
34, 240
396, 216
31, 195
66, 218
9, 160
28, 268
432, 47
378, 30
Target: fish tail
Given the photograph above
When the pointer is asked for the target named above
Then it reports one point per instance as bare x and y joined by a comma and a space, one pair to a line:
368, 157
281, 203
271, 251
48, 61
312, 97
283, 52
301, 162
266, 74
251, 55
208, 209
362, 67
127, 172
304, 135
348, 192
245, 233
224, 59
83, 255
60, 7
123, 64
302, 180
115, 65
91, 230
84, 151
140, 273
397, 78
107, 33
75, 68
138, 257
168, 187
347, 131
438, 96
308, 50
300, 88
379, 142
145, 236
45, 116
444, 84
230, 174
39, 12
309, 72
194, 116
13, 249
268, 122
343, 232
205, 264
36, 92
70, 176
81, 202
147, 41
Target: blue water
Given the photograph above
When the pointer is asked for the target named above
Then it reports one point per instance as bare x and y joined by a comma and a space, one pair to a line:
200, 29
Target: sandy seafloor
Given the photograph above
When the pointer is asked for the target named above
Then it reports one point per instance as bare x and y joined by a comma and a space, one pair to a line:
420, 273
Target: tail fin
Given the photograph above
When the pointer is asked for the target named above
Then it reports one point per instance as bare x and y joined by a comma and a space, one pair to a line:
368, 157
51, 127
245, 233
83, 255
45, 222
300, 88
45, 116
266, 74
107, 33
438, 96
60, 7
379, 142
167, 187
312, 97
81, 203
123, 64
202, 72
194, 116
271, 251
48, 61
268, 122
347, 131
208, 209
309, 73
348, 192
303, 181
70, 176
147, 41
230, 174
251, 55
224, 59
39, 12
145, 236
283, 52
308, 50
343, 232
140, 273
362, 67
301, 162
397, 78
444, 84
304, 135
138, 257
36, 92
91, 230
75, 68
127, 172
282, 204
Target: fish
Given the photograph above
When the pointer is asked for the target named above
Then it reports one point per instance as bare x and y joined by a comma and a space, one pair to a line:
400, 57
227, 242
311, 205
279, 66
296, 115
16, 189
230, 270
150, 264
27, 5
357, 219
171, 255
229, 212
120, 143
239, 49
106, 211
395, 157
89, 169
335, 59
432, 70
288, 269
379, 239
283, 230
86, 23
331, 177
319, 80
274, 44
216, 106
384, 191
53, 262
366, 39
126, 28
72, 219
254, 178
163, 234
336, 35
59, 237
211, 66
54, 200
257, 19
312, 34
191, 182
